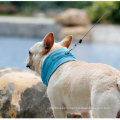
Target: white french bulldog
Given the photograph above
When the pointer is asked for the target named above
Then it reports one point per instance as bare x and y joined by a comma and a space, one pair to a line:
77, 86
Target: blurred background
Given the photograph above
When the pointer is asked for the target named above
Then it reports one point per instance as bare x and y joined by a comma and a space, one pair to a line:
22, 24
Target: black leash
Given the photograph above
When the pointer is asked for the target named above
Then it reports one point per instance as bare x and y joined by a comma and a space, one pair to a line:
80, 41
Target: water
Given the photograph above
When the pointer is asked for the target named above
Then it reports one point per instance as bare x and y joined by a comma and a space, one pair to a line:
14, 51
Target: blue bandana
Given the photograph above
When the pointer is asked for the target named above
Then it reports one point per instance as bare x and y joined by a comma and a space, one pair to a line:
53, 61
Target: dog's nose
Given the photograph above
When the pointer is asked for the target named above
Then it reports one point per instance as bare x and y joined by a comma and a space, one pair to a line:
28, 65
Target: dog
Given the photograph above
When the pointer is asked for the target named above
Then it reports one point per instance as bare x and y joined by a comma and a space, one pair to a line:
78, 86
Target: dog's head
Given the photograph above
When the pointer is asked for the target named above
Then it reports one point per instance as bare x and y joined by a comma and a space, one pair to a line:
41, 50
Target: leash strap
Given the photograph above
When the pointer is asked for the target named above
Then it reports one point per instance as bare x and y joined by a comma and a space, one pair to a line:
80, 41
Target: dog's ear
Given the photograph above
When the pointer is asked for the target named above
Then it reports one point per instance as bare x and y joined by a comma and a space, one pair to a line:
48, 41
66, 41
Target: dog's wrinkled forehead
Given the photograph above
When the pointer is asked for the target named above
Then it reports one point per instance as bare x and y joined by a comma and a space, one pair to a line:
38, 47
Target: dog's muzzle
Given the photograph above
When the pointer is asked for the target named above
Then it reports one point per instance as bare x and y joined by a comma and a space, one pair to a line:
28, 65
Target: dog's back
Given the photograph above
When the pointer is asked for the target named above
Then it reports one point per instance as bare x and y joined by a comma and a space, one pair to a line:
80, 86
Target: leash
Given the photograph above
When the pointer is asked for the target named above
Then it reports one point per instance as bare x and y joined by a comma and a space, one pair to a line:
80, 41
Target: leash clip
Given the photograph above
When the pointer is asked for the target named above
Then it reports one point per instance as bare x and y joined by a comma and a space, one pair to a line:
68, 52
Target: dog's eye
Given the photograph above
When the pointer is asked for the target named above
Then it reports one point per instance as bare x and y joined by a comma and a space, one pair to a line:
30, 53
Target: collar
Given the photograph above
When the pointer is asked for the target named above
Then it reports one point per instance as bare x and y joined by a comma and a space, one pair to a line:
53, 61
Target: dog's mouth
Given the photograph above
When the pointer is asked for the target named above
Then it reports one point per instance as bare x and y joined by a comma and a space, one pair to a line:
30, 66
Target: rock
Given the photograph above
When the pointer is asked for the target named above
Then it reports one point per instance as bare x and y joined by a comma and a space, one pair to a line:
73, 17
77, 32
23, 95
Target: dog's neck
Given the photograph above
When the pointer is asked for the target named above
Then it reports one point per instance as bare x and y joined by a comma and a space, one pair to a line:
41, 64
38, 70
53, 61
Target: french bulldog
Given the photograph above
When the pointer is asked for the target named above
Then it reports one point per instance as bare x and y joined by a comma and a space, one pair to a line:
78, 86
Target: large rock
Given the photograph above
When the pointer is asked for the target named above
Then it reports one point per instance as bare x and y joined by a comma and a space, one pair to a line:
23, 95
73, 17
77, 32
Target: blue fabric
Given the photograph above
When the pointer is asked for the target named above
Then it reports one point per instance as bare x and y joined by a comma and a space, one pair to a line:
53, 61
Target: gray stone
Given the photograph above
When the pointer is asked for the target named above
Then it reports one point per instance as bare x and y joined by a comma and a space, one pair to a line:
23, 95
5, 98
28, 30
37, 105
